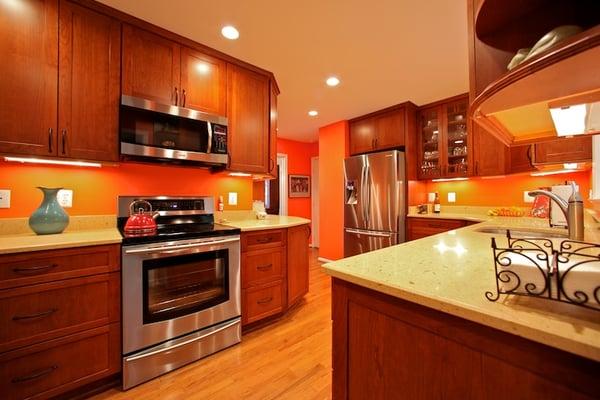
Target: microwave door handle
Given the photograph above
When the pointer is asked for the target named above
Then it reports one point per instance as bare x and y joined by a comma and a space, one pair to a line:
180, 247
210, 135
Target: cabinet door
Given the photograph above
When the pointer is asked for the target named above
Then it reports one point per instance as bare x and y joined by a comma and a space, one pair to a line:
150, 66
362, 136
89, 76
430, 150
389, 130
28, 76
457, 140
248, 114
521, 159
491, 155
297, 265
564, 150
203, 82
273, 131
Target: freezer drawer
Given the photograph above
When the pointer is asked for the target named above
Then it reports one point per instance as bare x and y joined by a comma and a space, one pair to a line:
357, 241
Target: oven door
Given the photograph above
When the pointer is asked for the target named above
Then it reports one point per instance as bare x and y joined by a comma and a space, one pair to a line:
174, 288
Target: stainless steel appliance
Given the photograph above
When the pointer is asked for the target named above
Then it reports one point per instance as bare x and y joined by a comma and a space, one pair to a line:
162, 132
374, 201
181, 295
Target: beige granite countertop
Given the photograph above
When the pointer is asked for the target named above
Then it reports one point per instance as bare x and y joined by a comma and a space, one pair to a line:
452, 271
246, 221
16, 237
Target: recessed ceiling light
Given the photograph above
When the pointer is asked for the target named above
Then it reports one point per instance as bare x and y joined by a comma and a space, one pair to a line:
313, 113
230, 32
332, 81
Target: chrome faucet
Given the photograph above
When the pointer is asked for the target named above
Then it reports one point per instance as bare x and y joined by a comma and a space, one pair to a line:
573, 210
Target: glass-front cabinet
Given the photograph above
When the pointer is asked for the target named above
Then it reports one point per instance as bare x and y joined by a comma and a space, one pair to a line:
444, 141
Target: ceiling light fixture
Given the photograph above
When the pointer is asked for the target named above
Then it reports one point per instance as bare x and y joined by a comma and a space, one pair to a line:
53, 162
313, 113
230, 32
332, 81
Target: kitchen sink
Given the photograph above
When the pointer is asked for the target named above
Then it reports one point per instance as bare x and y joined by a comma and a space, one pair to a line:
523, 232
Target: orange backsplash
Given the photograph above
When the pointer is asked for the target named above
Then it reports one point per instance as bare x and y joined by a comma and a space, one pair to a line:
95, 190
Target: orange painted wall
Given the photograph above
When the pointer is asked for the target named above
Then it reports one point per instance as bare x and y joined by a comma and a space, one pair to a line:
333, 148
505, 191
95, 190
299, 155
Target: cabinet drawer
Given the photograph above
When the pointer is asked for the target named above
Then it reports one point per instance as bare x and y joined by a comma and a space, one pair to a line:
50, 310
56, 366
263, 301
422, 227
261, 266
45, 266
263, 239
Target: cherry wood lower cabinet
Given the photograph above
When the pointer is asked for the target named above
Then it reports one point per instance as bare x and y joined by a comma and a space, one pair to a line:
60, 314
388, 348
274, 271
422, 227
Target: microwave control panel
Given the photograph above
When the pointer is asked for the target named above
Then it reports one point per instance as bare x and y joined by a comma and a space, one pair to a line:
219, 139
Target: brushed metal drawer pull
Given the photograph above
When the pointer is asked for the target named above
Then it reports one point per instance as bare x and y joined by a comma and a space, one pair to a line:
435, 225
33, 270
33, 316
264, 267
265, 300
263, 240
35, 375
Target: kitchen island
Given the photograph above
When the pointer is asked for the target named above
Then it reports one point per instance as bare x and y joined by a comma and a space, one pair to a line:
412, 321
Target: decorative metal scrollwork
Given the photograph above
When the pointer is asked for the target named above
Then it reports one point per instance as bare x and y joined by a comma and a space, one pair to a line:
533, 267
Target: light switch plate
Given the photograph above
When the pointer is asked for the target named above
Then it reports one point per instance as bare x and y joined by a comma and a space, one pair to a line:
527, 198
430, 197
232, 200
451, 197
65, 198
4, 198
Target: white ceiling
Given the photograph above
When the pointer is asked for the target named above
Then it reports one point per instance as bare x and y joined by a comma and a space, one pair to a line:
384, 51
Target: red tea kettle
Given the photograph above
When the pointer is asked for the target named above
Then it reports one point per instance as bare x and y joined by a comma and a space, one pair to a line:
140, 221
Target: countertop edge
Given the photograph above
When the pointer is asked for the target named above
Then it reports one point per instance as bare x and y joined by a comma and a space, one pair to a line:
460, 310
59, 246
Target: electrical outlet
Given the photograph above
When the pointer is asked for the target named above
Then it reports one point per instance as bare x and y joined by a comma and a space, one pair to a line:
527, 198
451, 197
4, 198
232, 200
65, 198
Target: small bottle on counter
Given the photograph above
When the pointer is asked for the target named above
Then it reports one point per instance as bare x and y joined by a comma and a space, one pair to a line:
220, 204
437, 207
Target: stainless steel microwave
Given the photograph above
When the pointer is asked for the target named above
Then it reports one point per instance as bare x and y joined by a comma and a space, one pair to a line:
160, 132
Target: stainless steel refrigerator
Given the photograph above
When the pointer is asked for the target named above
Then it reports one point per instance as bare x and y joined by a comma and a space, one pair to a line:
374, 201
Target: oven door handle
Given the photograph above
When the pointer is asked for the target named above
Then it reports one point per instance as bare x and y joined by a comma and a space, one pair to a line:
214, 330
179, 247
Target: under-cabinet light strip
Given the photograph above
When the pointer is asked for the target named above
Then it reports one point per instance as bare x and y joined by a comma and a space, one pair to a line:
52, 162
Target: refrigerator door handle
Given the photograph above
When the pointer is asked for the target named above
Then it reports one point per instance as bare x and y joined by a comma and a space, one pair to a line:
368, 203
363, 179
369, 233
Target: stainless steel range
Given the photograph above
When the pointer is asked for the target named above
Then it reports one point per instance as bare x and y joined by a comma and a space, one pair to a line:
180, 285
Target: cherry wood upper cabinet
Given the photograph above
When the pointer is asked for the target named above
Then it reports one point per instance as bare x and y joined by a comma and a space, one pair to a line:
273, 130
381, 130
151, 66
297, 271
89, 76
28, 76
577, 149
521, 159
248, 114
491, 155
203, 82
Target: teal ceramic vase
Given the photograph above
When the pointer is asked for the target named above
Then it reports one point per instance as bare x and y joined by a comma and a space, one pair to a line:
49, 217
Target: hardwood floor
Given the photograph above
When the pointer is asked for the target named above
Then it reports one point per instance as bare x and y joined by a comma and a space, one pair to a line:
289, 359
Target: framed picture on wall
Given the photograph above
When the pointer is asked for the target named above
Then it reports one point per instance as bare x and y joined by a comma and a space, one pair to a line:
299, 186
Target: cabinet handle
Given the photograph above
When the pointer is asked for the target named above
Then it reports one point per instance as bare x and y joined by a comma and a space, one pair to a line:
34, 270
271, 164
376, 143
64, 141
265, 300
50, 140
264, 267
183, 97
35, 375
309, 231
263, 240
34, 316
176, 95
435, 225
529, 155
